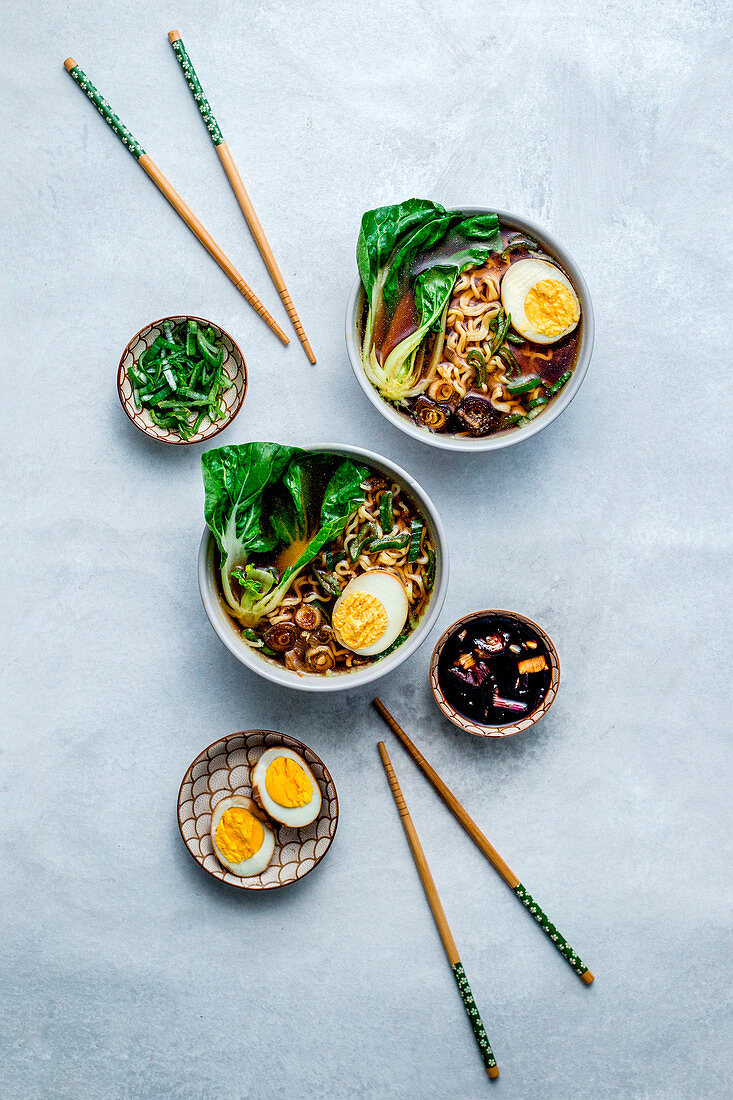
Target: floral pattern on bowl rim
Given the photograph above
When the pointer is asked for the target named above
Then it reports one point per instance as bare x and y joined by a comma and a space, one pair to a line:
223, 769
233, 397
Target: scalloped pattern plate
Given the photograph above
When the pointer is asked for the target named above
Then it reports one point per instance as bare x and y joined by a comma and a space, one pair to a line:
234, 367
224, 769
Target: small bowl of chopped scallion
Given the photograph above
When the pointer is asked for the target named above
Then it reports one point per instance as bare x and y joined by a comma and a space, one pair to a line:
182, 380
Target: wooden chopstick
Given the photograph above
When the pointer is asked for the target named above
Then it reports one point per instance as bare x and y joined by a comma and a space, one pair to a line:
440, 919
171, 194
238, 187
483, 844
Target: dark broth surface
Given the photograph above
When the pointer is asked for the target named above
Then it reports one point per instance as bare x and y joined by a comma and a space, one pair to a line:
479, 670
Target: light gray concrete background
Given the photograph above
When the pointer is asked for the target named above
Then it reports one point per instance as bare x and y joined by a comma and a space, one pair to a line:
126, 971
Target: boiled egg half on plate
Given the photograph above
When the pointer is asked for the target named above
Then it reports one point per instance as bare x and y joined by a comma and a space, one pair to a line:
243, 841
370, 612
541, 301
285, 788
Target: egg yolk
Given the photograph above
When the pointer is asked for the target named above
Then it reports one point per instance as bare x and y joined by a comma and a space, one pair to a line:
238, 835
360, 620
551, 308
287, 784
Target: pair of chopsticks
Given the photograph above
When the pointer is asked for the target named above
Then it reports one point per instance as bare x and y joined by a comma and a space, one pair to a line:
184, 211
494, 859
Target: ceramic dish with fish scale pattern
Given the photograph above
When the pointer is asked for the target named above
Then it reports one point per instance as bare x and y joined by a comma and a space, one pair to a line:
224, 769
232, 398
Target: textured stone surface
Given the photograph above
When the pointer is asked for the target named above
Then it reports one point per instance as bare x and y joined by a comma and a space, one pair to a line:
126, 972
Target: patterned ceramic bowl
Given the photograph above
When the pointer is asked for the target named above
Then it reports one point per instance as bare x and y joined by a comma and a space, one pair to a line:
223, 769
234, 367
475, 727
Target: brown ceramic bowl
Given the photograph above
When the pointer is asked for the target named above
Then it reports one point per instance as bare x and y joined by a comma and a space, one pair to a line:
514, 727
233, 398
224, 769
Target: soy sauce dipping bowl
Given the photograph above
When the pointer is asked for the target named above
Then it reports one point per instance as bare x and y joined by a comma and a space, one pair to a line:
477, 728
228, 633
507, 438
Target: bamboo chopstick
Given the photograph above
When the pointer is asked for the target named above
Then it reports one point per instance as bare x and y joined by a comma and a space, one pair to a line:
483, 844
171, 194
238, 187
439, 917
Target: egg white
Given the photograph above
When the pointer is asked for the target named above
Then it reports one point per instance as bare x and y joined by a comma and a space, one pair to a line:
294, 816
390, 591
516, 284
256, 863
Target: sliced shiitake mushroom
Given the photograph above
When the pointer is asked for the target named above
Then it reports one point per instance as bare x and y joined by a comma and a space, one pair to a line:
294, 661
308, 617
324, 633
476, 414
430, 414
319, 659
281, 637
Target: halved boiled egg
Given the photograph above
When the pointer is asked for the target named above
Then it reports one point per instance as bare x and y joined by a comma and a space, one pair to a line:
243, 842
285, 788
370, 612
541, 300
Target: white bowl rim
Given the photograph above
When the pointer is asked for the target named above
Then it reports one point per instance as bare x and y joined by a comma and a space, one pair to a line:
558, 406
223, 627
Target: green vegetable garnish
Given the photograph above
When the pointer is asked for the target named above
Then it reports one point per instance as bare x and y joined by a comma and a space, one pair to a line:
524, 385
430, 571
557, 386
518, 242
385, 512
475, 358
260, 498
328, 582
399, 542
367, 532
390, 241
416, 529
180, 379
503, 323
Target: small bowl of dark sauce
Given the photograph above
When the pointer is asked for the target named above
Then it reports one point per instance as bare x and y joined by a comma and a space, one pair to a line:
494, 673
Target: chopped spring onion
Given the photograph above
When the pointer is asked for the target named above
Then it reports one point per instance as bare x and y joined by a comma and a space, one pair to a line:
416, 529
430, 571
503, 322
524, 385
328, 582
518, 242
180, 379
367, 532
385, 512
399, 542
557, 386
477, 360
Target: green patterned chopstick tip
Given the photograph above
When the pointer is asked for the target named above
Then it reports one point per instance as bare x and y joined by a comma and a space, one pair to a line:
474, 1017
198, 92
106, 111
559, 941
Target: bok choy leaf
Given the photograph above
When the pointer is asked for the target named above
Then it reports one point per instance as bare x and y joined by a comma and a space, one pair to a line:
413, 229
261, 497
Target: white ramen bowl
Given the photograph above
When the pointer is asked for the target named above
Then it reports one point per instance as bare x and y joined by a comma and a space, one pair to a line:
225, 627
511, 435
